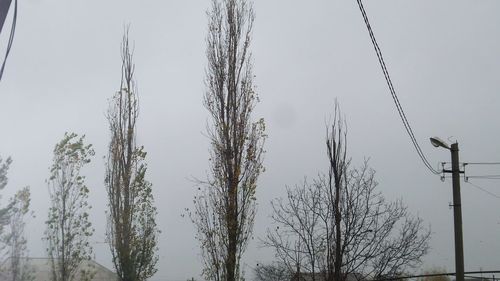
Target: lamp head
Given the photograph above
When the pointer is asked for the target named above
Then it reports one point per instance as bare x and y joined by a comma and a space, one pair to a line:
437, 142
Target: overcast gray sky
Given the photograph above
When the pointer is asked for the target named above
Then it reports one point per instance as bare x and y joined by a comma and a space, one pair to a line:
443, 56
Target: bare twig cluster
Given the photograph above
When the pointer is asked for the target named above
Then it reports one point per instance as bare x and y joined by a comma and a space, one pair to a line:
339, 224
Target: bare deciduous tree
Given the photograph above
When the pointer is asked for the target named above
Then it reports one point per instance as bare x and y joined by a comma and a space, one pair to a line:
132, 231
225, 210
336, 144
68, 226
340, 224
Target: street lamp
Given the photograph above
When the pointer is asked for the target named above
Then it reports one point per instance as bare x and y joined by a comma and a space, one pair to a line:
457, 205
437, 142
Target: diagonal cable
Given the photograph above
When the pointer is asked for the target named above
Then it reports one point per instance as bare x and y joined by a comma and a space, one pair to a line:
483, 189
393, 91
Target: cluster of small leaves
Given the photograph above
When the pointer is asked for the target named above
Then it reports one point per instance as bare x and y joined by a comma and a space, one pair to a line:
5, 211
4, 168
132, 230
224, 211
68, 225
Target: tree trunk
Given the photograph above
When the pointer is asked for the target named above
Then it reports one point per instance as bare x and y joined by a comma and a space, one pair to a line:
232, 222
338, 237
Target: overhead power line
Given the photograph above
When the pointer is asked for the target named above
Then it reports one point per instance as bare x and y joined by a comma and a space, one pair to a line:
436, 274
11, 38
393, 91
482, 163
484, 176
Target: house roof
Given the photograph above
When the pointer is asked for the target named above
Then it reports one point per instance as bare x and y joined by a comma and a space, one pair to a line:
42, 269
306, 276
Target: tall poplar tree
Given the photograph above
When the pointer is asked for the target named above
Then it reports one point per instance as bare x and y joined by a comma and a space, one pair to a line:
225, 210
132, 231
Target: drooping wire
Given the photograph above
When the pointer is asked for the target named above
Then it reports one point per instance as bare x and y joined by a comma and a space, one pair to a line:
11, 38
483, 189
393, 91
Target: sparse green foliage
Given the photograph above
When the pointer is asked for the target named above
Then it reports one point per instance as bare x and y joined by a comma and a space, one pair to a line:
224, 212
68, 225
12, 229
4, 168
132, 229
15, 240
4, 212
